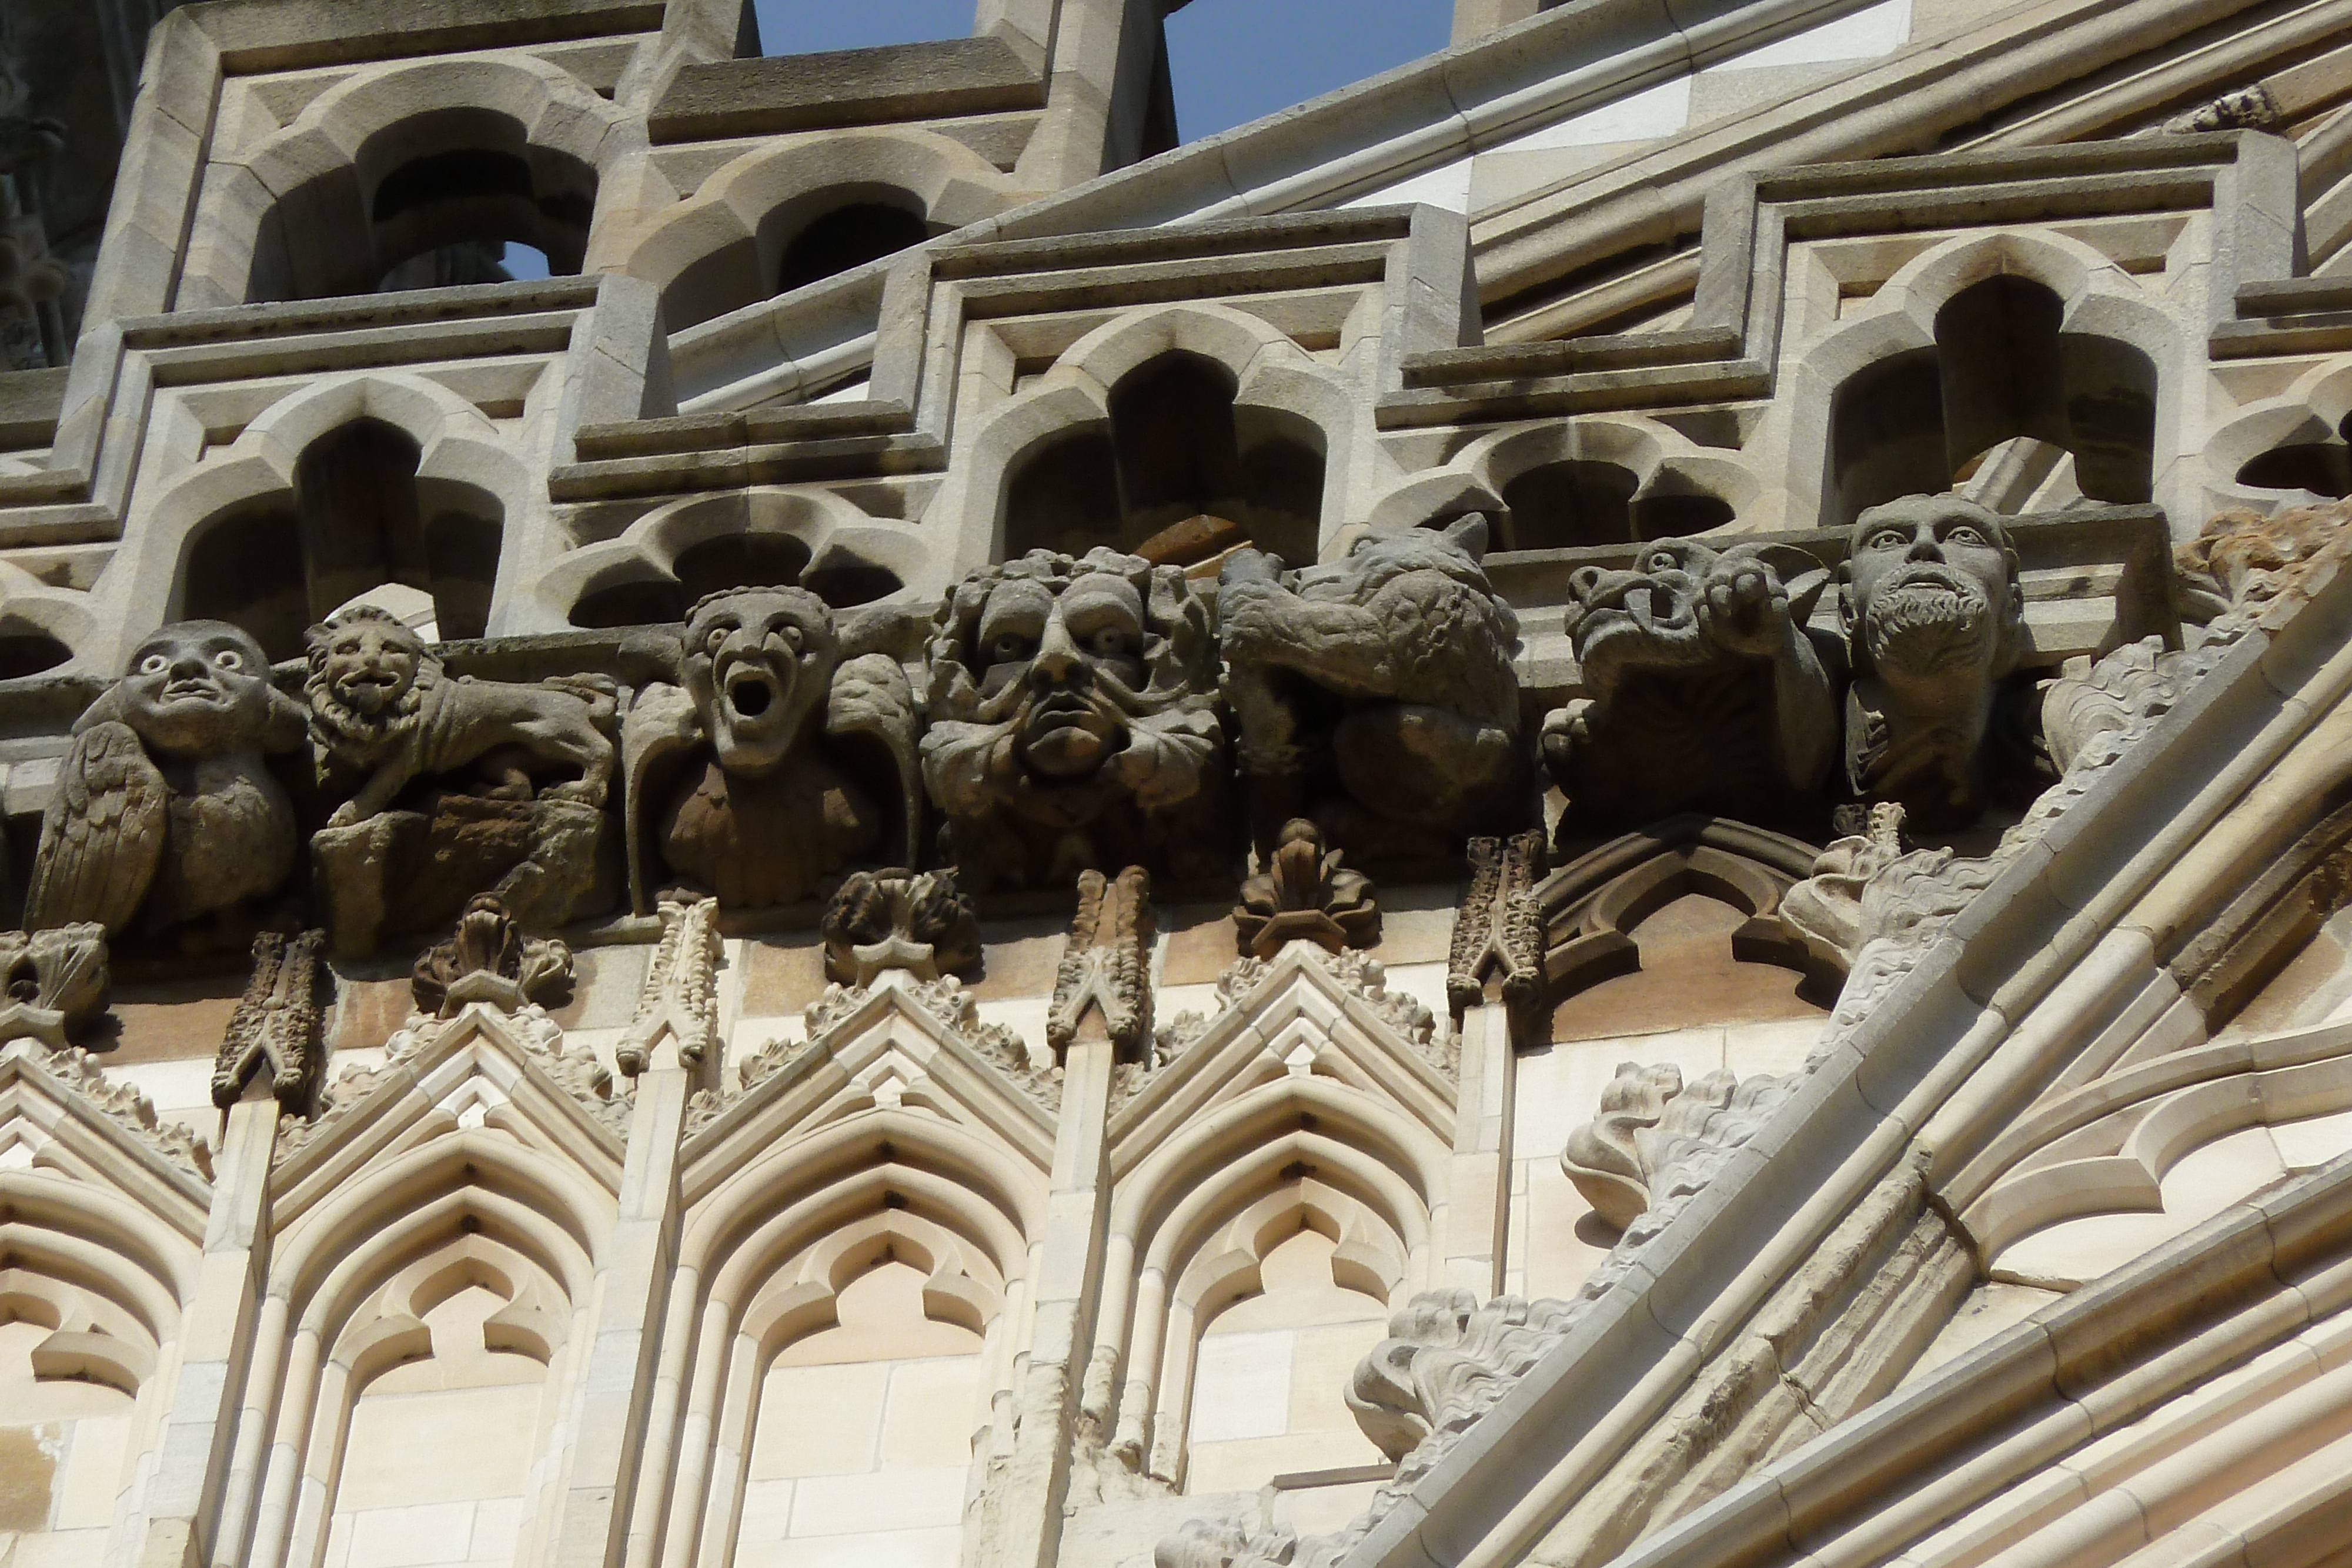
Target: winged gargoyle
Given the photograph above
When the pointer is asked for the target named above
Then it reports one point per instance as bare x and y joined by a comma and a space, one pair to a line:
774, 763
166, 816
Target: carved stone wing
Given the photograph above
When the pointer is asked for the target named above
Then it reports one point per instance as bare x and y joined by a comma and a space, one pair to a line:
871, 698
102, 836
661, 728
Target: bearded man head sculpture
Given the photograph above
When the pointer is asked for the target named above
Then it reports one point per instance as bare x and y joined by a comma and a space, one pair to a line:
1072, 721
1934, 619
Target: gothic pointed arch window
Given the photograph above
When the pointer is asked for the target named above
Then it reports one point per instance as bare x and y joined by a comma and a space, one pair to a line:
1178, 472
359, 519
429, 201
2002, 369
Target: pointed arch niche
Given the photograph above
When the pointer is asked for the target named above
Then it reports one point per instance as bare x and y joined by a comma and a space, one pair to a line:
855, 1361
1175, 432
385, 487
2025, 365
1663, 949
89, 1313
418, 1359
1255, 1258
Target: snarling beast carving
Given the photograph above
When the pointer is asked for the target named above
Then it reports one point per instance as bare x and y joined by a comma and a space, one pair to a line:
1935, 618
1072, 721
744, 779
1376, 693
1706, 689
456, 786
166, 816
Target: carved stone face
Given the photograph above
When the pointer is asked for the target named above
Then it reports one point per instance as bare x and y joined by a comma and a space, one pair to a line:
759, 663
1933, 593
1646, 615
368, 662
1070, 696
1072, 656
197, 686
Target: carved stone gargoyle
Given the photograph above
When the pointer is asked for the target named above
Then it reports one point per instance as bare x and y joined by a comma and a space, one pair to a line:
1305, 894
899, 919
454, 787
773, 762
166, 817
1934, 618
55, 982
276, 1027
1073, 722
488, 960
1376, 693
1705, 691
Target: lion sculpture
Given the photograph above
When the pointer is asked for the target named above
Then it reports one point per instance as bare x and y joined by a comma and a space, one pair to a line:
457, 786
382, 705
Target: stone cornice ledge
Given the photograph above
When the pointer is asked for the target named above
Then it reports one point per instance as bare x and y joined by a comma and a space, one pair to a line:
1582, 53
2090, 1362
1975, 986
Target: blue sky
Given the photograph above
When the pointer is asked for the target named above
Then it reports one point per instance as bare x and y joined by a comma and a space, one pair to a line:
1232, 60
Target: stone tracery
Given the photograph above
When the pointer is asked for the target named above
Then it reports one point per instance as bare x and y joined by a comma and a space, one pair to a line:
794, 871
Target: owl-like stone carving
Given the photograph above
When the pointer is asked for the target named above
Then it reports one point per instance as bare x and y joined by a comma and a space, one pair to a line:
166, 816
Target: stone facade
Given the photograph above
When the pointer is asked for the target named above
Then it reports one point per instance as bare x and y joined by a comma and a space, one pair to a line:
1587, 808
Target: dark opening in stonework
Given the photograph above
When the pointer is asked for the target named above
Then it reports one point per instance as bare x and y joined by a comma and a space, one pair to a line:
359, 518
26, 652
2324, 468
2002, 369
1178, 473
849, 237
840, 578
427, 202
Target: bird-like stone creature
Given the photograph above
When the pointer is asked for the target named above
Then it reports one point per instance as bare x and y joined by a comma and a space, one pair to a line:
166, 815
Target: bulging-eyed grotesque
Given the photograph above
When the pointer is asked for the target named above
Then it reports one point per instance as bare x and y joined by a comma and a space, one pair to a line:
1703, 689
166, 814
1376, 693
1072, 719
745, 777
1934, 619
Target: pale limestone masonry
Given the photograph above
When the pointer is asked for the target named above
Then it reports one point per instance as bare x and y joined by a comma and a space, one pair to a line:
992, 1057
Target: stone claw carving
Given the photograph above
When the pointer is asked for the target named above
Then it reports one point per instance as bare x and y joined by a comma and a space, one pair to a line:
1107, 970
1934, 618
166, 814
1705, 690
1073, 717
897, 919
277, 1024
1406, 638
744, 778
1305, 894
55, 980
456, 784
488, 960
